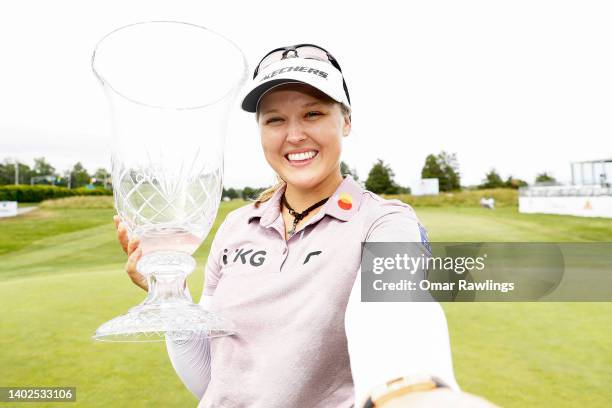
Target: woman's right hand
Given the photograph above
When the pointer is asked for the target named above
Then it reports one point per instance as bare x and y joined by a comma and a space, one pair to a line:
134, 252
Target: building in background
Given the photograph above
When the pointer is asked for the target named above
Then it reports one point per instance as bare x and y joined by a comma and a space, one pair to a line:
589, 194
427, 186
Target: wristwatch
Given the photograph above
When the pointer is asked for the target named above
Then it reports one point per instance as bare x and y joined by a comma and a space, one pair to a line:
401, 386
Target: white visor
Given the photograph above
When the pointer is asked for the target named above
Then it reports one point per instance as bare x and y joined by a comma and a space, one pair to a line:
321, 75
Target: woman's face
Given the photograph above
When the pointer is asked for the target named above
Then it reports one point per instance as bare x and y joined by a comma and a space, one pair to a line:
301, 134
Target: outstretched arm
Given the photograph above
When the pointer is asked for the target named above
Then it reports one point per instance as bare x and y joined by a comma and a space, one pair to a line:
390, 340
387, 340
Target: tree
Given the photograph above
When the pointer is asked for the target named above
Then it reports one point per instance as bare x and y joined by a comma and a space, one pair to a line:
450, 167
25, 173
230, 193
403, 190
515, 183
380, 179
6, 173
445, 168
63, 179
347, 171
79, 176
431, 169
42, 168
102, 176
249, 193
545, 178
492, 180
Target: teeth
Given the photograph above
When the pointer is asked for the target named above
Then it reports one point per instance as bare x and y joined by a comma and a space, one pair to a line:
301, 156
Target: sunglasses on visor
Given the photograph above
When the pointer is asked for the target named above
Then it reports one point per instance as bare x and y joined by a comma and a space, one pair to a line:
306, 51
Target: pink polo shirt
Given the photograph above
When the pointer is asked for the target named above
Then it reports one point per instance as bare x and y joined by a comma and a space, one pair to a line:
288, 298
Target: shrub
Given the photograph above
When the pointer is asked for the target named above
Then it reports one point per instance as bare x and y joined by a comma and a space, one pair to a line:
36, 194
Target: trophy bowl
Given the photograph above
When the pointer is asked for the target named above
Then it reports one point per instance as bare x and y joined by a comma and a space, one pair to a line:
170, 87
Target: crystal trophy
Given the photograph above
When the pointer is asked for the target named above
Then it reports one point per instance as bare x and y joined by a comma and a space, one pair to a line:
170, 87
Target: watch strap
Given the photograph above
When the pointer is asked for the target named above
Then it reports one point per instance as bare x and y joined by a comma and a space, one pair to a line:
401, 386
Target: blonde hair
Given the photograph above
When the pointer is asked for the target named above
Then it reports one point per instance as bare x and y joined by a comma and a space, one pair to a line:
268, 193
280, 183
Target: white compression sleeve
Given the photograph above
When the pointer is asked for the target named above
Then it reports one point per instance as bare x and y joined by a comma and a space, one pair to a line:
393, 339
191, 358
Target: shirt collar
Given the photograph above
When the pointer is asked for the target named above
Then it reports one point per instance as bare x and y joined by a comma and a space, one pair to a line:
343, 204
345, 201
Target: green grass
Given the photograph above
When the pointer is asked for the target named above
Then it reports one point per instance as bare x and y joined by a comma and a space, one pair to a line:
19, 232
61, 276
79, 202
533, 354
508, 225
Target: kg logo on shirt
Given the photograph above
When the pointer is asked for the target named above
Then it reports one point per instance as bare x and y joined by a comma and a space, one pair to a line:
245, 256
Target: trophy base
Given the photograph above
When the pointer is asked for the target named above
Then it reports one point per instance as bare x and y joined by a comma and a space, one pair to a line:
146, 323
167, 312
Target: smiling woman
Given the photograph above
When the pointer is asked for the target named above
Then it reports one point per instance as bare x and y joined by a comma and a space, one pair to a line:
304, 338
301, 130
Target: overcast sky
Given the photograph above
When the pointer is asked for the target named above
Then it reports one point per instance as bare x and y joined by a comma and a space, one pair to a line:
522, 86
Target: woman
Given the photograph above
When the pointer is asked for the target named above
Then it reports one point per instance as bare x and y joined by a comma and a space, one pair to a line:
285, 267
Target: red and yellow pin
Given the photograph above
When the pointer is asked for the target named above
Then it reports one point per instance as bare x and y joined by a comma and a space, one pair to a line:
345, 201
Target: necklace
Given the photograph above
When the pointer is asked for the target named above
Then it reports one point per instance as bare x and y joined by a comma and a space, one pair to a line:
298, 216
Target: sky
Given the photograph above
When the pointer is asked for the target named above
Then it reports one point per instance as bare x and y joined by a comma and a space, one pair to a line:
522, 86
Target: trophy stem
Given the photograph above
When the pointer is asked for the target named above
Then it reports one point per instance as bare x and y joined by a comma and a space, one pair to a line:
166, 273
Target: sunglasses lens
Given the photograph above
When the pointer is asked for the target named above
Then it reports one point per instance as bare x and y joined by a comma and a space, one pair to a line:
270, 59
313, 52
305, 51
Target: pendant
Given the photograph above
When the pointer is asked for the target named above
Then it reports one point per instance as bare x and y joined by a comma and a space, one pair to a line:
292, 230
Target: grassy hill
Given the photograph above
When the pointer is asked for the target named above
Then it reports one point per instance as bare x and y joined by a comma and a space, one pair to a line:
504, 197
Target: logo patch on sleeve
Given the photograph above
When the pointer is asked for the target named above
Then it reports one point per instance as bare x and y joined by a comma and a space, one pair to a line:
345, 201
424, 239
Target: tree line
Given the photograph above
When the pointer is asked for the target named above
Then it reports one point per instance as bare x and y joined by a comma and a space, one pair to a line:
42, 172
494, 180
380, 180
444, 166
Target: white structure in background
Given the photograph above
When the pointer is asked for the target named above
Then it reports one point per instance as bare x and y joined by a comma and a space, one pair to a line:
487, 203
8, 208
589, 195
428, 186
